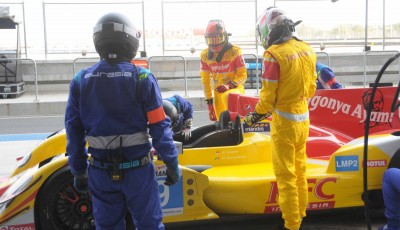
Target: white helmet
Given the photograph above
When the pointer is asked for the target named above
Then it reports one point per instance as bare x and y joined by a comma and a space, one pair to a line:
273, 25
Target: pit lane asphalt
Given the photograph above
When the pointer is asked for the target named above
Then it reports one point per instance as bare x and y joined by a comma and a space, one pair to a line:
342, 219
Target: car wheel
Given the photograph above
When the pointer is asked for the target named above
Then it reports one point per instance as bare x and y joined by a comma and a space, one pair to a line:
60, 206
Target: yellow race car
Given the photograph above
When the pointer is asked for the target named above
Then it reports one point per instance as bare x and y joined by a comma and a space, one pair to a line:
226, 169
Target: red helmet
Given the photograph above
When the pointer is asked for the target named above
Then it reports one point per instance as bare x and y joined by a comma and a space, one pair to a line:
216, 35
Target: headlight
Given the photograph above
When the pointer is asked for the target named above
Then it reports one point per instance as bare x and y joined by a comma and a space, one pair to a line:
18, 186
24, 160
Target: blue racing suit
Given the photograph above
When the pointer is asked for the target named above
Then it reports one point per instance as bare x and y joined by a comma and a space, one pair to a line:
391, 196
116, 107
326, 78
185, 111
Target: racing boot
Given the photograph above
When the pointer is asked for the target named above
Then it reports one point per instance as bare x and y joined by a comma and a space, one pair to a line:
281, 226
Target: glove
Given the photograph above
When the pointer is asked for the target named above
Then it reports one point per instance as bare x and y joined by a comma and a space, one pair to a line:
252, 118
81, 183
224, 88
211, 110
186, 133
173, 172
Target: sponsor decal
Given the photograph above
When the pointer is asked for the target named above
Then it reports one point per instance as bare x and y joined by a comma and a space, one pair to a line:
19, 227
346, 163
376, 163
228, 155
378, 116
109, 74
171, 197
310, 206
314, 186
247, 107
258, 127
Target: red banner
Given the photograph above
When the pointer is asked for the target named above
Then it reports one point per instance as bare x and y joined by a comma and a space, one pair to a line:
344, 110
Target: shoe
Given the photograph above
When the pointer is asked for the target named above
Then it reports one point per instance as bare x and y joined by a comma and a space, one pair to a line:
281, 226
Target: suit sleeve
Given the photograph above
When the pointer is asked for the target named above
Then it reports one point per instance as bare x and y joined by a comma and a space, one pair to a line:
269, 79
186, 108
159, 124
205, 74
76, 142
241, 71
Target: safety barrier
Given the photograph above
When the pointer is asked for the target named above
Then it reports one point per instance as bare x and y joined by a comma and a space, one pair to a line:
326, 54
169, 57
35, 72
77, 59
344, 65
253, 67
387, 52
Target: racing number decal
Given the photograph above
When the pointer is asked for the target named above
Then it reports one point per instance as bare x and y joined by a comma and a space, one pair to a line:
317, 189
171, 197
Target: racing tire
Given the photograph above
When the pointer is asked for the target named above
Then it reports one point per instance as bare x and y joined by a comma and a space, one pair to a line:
395, 161
60, 206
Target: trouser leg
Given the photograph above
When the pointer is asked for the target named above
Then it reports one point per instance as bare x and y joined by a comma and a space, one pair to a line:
144, 203
108, 202
283, 159
300, 159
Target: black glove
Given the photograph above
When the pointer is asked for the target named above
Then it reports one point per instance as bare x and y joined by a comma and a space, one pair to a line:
173, 172
81, 183
252, 118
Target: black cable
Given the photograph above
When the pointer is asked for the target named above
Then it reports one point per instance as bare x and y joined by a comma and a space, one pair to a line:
366, 133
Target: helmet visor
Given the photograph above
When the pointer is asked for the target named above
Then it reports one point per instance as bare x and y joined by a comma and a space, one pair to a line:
212, 41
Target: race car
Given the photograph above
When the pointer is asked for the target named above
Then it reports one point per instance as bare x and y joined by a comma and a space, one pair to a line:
226, 167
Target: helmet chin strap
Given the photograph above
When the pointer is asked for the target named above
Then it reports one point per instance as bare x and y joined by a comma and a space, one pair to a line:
283, 33
220, 54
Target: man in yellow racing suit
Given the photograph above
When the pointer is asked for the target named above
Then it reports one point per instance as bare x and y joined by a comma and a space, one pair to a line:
288, 80
222, 69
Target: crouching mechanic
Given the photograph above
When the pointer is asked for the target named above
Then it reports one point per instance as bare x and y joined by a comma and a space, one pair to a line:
223, 64
288, 80
180, 111
115, 106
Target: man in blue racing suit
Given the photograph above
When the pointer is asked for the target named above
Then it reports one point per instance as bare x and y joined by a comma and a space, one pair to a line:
115, 107
391, 197
180, 111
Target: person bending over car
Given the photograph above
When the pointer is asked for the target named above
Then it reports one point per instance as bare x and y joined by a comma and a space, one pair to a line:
288, 80
326, 78
180, 111
222, 69
115, 106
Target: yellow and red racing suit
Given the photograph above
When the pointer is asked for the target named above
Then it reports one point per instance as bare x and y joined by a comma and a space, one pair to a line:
288, 80
231, 69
